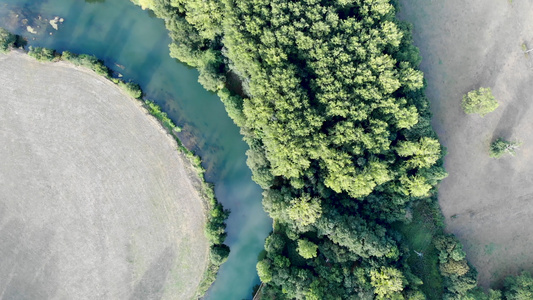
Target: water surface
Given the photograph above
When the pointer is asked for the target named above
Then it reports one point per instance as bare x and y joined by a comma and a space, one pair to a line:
134, 44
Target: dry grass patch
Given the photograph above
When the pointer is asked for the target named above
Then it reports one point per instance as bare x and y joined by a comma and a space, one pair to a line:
96, 200
486, 202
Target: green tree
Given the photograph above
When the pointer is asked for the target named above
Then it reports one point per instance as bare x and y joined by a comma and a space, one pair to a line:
145, 4
420, 154
479, 102
454, 267
415, 186
274, 243
307, 249
519, 287
459, 286
305, 210
501, 147
264, 270
219, 254
386, 282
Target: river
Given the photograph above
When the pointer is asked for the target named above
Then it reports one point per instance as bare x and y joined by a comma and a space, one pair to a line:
134, 43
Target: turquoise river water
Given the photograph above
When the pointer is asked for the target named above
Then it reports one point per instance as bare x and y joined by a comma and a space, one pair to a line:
134, 43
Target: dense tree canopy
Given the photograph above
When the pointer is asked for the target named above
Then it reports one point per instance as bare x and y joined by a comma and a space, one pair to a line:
519, 288
330, 100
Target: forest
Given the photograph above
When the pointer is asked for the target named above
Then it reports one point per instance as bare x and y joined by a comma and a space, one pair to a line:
330, 100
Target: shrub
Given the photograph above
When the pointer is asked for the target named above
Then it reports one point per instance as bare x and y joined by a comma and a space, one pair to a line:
219, 254
264, 270
479, 102
88, 61
155, 111
42, 54
501, 147
7, 40
132, 89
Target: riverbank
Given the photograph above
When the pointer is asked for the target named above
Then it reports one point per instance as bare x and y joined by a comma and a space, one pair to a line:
133, 43
97, 200
485, 201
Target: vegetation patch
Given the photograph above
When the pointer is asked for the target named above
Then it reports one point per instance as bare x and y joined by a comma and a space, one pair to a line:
500, 147
43, 54
87, 61
7, 40
155, 111
419, 234
479, 102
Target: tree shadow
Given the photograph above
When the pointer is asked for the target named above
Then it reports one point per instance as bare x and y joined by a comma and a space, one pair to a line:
511, 117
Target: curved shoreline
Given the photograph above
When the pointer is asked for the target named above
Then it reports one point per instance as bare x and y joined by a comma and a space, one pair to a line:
190, 171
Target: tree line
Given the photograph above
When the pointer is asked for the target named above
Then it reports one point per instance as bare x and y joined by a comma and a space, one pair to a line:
330, 100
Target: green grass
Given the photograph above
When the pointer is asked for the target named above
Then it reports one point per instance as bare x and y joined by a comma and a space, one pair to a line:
418, 235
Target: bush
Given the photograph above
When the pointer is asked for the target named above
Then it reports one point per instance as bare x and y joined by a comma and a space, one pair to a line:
7, 40
42, 54
155, 111
132, 89
215, 229
87, 61
264, 270
219, 254
479, 102
501, 147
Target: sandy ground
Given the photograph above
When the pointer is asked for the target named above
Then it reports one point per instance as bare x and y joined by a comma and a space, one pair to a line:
96, 202
487, 203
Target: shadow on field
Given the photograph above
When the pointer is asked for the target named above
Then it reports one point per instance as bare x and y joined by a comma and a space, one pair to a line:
151, 284
512, 117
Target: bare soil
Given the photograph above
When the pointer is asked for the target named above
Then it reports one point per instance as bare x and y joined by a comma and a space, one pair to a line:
96, 202
487, 203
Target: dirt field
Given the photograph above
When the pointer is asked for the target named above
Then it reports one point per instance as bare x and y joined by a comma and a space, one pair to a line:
96, 203
487, 203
